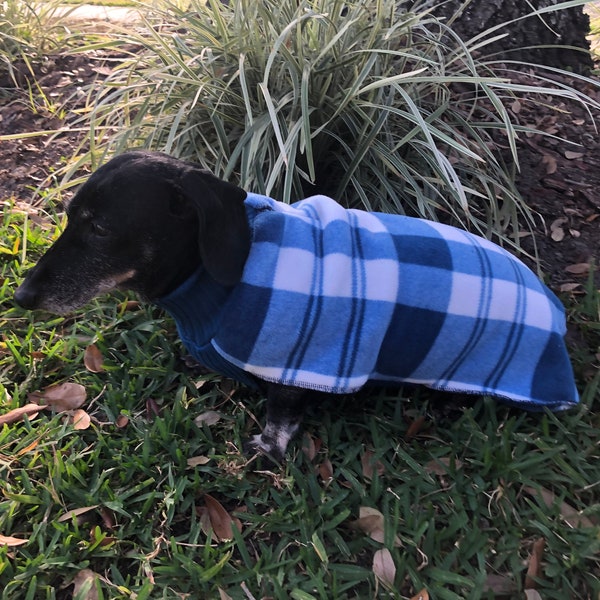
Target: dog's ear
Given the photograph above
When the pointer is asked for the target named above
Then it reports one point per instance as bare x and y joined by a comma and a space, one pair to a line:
224, 233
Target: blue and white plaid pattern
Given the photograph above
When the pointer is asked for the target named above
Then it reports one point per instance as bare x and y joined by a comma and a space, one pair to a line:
332, 299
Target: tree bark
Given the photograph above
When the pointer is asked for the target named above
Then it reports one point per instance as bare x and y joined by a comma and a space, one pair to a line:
566, 27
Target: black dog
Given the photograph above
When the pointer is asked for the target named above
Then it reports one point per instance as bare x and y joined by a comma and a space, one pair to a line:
392, 299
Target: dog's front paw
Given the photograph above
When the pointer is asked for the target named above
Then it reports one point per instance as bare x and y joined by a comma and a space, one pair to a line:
273, 441
267, 447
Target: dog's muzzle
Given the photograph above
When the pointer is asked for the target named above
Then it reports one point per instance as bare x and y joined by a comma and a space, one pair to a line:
26, 296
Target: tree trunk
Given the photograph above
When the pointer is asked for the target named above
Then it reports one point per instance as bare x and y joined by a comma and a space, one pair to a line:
566, 27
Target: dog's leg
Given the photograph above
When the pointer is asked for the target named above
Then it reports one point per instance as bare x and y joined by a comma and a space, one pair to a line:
285, 409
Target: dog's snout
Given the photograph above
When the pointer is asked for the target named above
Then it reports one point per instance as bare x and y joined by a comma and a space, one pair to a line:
26, 296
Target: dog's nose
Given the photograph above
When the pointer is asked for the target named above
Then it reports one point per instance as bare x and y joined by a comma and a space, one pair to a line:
26, 296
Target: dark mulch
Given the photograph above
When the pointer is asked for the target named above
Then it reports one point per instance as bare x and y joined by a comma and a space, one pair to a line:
559, 177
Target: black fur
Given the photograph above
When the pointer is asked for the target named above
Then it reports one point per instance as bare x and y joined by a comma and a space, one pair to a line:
145, 222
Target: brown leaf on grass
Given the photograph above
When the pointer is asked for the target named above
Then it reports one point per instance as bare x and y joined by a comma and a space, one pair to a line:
11, 542
384, 567
129, 305
152, 409
370, 465
219, 519
17, 414
571, 516
122, 421
310, 446
80, 419
61, 397
85, 585
422, 595
326, 471
535, 564
99, 537
372, 522
210, 417
76, 513
108, 518
93, 359
441, 466
415, 428
223, 595
196, 461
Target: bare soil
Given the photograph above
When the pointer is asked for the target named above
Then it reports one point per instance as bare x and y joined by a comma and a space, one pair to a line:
559, 176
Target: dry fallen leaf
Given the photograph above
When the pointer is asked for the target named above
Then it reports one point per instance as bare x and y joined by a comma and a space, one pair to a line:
569, 154
17, 414
122, 421
568, 287
551, 164
197, 461
310, 446
11, 542
384, 567
108, 518
152, 408
571, 516
372, 522
578, 268
129, 305
80, 419
93, 360
557, 233
441, 466
61, 397
76, 512
223, 595
422, 595
326, 471
85, 585
210, 417
415, 428
219, 519
369, 465
535, 564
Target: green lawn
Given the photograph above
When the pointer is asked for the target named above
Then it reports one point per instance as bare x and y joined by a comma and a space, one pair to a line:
139, 504
384, 496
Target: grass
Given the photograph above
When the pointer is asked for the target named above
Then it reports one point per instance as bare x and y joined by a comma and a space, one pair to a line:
462, 498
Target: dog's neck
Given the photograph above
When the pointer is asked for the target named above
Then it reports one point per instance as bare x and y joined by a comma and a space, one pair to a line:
197, 306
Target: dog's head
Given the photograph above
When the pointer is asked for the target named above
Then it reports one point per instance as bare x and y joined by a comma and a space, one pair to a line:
145, 222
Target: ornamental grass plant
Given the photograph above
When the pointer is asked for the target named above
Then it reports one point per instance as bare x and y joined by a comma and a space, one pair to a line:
29, 31
375, 103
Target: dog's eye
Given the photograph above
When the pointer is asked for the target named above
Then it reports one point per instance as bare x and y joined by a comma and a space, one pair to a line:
99, 230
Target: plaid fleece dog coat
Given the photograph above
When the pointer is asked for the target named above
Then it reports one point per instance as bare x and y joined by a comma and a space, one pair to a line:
332, 299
